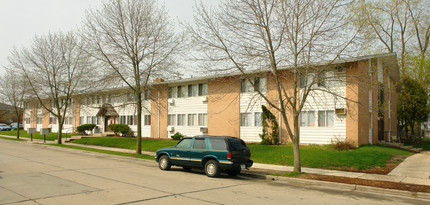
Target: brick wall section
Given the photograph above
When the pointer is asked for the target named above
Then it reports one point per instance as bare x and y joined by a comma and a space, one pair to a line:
394, 107
76, 113
33, 118
223, 106
287, 79
375, 96
159, 98
45, 114
357, 90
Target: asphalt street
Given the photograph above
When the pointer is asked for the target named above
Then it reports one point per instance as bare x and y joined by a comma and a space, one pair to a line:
39, 174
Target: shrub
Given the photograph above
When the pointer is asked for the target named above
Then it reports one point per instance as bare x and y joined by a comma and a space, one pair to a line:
120, 128
85, 127
267, 118
177, 136
341, 145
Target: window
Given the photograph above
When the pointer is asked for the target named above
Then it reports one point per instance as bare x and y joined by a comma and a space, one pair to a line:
192, 119
307, 118
180, 92
52, 120
93, 120
203, 119
122, 119
192, 90
181, 119
130, 119
147, 120
99, 120
27, 120
203, 89
259, 85
67, 120
302, 81
245, 119
170, 93
147, 95
321, 80
257, 119
185, 143
39, 120
325, 118
81, 120
171, 119
199, 143
256, 84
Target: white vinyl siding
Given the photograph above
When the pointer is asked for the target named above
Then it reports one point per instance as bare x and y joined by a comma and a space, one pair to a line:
251, 102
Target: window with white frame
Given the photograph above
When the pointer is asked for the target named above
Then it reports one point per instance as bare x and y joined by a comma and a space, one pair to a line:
259, 85
130, 119
181, 119
192, 119
147, 120
325, 118
245, 119
257, 119
81, 120
122, 119
192, 90
99, 120
203, 119
203, 89
180, 92
171, 119
88, 119
170, 92
39, 120
27, 120
307, 118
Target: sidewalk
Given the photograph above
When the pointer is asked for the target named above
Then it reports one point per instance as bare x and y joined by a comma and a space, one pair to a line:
414, 170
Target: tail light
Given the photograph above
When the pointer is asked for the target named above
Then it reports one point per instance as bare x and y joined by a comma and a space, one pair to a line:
228, 155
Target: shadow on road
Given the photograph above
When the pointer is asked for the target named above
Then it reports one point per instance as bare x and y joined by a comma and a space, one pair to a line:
245, 175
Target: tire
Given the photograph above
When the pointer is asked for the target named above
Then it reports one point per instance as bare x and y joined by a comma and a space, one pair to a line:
186, 168
212, 168
164, 163
233, 172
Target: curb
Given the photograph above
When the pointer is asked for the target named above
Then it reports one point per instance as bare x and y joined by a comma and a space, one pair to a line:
349, 187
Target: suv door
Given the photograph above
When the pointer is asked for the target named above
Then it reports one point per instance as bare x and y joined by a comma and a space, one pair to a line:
181, 154
198, 151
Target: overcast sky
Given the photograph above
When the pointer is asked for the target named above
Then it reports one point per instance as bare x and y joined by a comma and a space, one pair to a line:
20, 20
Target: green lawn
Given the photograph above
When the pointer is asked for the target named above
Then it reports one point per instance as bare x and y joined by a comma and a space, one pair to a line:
22, 133
126, 143
425, 145
311, 156
322, 157
141, 156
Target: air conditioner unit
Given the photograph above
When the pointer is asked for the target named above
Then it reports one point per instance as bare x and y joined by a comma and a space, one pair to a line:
171, 101
340, 111
204, 130
205, 99
170, 129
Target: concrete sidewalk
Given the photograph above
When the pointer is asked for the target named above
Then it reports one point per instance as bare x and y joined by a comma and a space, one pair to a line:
414, 170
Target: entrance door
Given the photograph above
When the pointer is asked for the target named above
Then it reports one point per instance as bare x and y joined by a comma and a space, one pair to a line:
108, 121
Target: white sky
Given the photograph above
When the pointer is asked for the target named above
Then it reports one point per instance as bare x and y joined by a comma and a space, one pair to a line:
20, 20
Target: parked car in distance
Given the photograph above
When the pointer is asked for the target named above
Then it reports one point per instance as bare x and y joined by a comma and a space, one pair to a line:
14, 125
5, 127
215, 154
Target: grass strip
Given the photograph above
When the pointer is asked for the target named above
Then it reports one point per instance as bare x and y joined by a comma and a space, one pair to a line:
22, 133
13, 139
134, 155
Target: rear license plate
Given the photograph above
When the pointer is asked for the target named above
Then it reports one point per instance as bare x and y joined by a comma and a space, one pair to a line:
242, 166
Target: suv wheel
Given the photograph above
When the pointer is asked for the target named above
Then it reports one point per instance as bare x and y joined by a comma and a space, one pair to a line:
212, 168
164, 163
233, 172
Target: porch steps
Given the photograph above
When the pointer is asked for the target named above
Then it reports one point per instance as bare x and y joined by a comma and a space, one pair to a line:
401, 146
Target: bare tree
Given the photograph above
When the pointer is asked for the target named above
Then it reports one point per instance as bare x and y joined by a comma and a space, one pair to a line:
270, 35
134, 39
13, 88
56, 68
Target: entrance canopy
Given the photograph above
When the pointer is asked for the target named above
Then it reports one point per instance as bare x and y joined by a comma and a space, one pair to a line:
107, 110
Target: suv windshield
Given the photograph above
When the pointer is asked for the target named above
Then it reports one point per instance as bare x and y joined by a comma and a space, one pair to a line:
237, 144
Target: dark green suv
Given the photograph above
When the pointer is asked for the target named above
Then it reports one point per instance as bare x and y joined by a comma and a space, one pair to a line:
212, 153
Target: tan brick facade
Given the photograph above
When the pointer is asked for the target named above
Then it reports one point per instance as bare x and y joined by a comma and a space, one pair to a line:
159, 107
223, 106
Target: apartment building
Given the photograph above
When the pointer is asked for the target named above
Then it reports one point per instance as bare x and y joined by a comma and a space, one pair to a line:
361, 105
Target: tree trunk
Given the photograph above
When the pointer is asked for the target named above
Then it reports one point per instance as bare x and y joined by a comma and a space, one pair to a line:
60, 131
17, 129
139, 124
296, 146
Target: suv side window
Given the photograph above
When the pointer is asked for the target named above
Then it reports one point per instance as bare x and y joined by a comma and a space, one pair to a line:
199, 143
185, 143
237, 144
218, 143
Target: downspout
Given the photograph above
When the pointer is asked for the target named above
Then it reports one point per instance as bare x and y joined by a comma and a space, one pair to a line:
158, 110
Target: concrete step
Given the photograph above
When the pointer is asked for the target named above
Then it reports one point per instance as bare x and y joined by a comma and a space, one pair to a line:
401, 146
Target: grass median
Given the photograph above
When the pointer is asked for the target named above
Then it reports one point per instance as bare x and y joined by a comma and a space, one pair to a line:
13, 139
314, 156
22, 133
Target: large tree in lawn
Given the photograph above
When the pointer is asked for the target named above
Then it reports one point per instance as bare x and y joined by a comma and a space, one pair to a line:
134, 40
56, 68
245, 35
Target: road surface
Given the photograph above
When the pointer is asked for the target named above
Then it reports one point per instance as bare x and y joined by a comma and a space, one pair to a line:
37, 174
